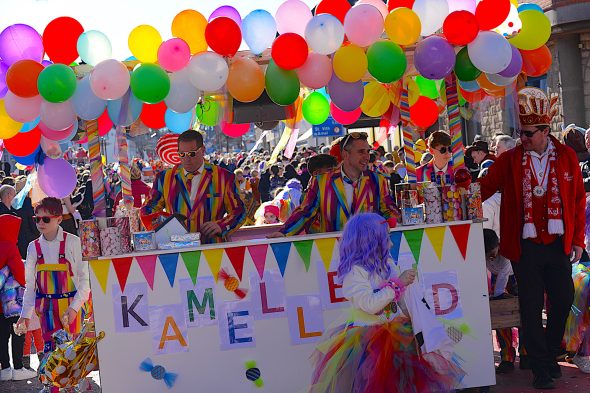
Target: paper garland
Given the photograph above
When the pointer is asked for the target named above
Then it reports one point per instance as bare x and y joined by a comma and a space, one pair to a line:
304, 249
258, 254
461, 235
191, 262
436, 235
101, 271
396, 241
326, 249
281, 253
147, 264
122, 267
214, 258
169, 263
414, 239
236, 258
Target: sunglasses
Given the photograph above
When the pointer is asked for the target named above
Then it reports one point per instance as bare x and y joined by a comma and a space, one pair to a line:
191, 153
45, 219
444, 150
353, 135
528, 134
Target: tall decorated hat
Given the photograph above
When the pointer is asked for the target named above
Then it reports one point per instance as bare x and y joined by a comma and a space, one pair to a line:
535, 108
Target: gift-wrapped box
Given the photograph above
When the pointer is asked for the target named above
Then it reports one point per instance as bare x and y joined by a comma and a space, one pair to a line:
188, 237
176, 245
412, 215
144, 241
90, 238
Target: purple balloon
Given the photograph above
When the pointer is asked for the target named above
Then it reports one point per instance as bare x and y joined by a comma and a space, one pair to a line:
434, 57
57, 178
3, 87
515, 65
346, 96
227, 11
19, 42
46, 63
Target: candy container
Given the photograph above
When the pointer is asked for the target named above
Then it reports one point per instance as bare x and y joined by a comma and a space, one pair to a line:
90, 238
433, 204
474, 202
110, 241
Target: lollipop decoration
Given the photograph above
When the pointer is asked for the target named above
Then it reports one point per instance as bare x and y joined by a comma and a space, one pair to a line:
158, 372
232, 283
253, 374
167, 149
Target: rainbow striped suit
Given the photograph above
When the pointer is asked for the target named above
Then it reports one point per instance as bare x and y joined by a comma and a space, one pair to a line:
326, 201
425, 172
217, 199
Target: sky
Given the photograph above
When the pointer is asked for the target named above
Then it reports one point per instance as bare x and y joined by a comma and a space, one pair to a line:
116, 18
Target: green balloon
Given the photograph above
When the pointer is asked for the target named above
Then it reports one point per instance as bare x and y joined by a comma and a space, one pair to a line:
282, 86
428, 87
316, 108
387, 61
150, 83
56, 83
208, 112
464, 68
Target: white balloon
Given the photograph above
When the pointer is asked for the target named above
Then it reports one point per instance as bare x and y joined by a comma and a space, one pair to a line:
208, 71
490, 52
51, 148
86, 104
110, 79
57, 116
512, 25
292, 16
500, 80
379, 4
324, 34
432, 14
183, 95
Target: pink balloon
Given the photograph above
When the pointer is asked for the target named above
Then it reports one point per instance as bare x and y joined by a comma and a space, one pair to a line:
292, 17
379, 4
21, 109
462, 5
363, 25
234, 130
227, 11
174, 54
110, 79
316, 72
57, 116
344, 117
50, 147
59, 135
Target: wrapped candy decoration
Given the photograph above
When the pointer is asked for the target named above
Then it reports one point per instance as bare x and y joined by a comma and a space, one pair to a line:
474, 202
90, 238
110, 241
433, 205
452, 203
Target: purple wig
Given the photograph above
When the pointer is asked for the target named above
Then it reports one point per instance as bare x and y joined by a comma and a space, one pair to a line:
365, 242
587, 228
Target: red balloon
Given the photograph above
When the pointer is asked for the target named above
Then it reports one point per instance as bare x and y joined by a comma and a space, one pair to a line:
234, 130
460, 27
104, 123
536, 62
491, 13
289, 51
462, 178
472, 96
223, 36
23, 143
21, 78
60, 39
152, 115
338, 8
393, 4
344, 117
424, 112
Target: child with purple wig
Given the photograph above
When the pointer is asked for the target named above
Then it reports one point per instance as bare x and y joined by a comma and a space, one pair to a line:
378, 349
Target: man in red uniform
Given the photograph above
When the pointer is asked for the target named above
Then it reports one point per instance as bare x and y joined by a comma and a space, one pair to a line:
542, 228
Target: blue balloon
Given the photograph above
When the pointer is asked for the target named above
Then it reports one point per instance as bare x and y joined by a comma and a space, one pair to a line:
28, 160
469, 86
179, 122
259, 30
30, 125
133, 110
529, 6
86, 104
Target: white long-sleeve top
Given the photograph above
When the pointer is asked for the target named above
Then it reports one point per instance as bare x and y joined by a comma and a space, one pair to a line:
50, 250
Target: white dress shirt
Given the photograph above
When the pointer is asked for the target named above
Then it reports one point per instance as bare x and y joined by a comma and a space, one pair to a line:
195, 182
540, 163
348, 188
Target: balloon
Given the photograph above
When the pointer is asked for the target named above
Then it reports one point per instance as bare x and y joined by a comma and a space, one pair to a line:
292, 16
3, 71
57, 83
393, 4
424, 112
183, 95
350, 63
104, 123
57, 116
491, 13
26, 127
464, 68
234, 130
282, 85
179, 122
511, 25
60, 38
376, 100
8, 127
50, 148
150, 83
379, 4
490, 52
387, 61
23, 143
324, 34
174, 54
22, 109
536, 29
473, 97
125, 119
463, 177
208, 112
363, 25
343, 117
469, 86
59, 135
536, 62
94, 47
144, 42
223, 36
529, 6
289, 51
19, 42
226, 11
460, 27
413, 92
338, 8
486, 84
316, 72
109, 80
434, 57
403, 26
28, 160
316, 108
432, 14
152, 115
245, 82
462, 5
57, 178
259, 30
208, 71
427, 87
346, 96
500, 80
515, 65
190, 25
21, 78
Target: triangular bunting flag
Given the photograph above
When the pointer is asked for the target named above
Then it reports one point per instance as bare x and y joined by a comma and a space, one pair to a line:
461, 235
304, 249
236, 257
191, 262
147, 264
281, 252
214, 258
326, 250
396, 241
122, 267
414, 239
437, 237
101, 271
258, 254
169, 263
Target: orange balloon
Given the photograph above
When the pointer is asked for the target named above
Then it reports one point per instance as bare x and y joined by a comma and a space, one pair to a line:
473, 97
246, 80
536, 62
485, 83
21, 78
496, 93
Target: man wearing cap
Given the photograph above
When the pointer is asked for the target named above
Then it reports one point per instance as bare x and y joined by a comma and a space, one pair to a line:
542, 228
480, 154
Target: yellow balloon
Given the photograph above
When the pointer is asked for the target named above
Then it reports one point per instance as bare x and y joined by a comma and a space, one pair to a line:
514, 2
144, 42
403, 26
413, 92
8, 127
536, 30
376, 100
190, 26
350, 63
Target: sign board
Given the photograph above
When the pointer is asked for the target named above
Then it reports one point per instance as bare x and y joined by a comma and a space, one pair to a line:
328, 128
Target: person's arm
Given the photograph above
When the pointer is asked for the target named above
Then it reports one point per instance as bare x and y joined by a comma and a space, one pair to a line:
155, 202
80, 271
387, 206
234, 207
305, 214
357, 288
14, 262
31, 282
